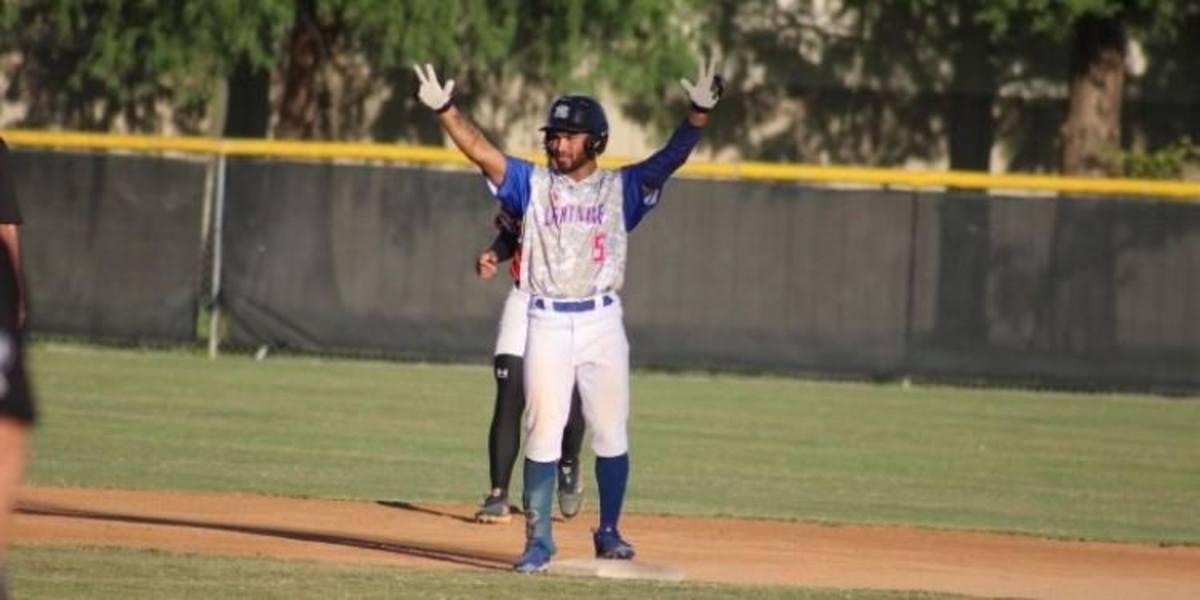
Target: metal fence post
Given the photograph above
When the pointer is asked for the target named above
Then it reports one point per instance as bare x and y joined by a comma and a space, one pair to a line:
214, 316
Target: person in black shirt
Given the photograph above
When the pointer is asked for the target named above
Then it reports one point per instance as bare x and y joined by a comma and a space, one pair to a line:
17, 413
10, 226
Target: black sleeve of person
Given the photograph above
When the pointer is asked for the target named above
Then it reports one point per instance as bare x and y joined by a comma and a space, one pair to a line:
15, 399
505, 245
10, 211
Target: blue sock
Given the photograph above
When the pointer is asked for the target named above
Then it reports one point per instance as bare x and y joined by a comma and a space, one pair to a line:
538, 502
612, 473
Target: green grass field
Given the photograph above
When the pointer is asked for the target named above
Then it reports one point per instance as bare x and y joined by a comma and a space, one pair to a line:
123, 574
1110, 467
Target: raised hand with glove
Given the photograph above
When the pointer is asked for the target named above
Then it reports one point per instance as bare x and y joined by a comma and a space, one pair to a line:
436, 96
708, 88
439, 97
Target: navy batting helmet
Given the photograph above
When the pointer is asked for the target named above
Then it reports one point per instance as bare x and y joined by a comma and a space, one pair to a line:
576, 112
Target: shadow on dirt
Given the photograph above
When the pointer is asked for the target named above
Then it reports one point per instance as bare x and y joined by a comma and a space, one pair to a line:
457, 556
409, 506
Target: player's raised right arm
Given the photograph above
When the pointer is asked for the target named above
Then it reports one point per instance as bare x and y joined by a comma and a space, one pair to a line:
466, 135
472, 142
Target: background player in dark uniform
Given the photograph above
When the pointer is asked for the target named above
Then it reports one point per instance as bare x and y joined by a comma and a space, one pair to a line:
504, 435
16, 405
10, 227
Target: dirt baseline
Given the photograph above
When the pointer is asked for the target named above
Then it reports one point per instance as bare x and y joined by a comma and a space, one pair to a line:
706, 549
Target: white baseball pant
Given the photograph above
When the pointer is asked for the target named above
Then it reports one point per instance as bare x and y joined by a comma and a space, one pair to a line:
570, 346
514, 323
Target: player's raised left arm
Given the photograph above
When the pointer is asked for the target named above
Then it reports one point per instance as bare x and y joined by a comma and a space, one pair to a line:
703, 95
440, 99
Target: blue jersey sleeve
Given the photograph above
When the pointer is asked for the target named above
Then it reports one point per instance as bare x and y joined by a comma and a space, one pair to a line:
643, 181
513, 192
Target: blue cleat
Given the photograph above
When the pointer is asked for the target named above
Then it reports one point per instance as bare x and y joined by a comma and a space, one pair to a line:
536, 559
610, 545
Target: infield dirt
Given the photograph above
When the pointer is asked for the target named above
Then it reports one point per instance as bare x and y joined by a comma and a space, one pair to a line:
392, 531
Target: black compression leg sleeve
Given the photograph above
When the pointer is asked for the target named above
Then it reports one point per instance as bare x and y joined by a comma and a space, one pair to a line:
573, 432
504, 437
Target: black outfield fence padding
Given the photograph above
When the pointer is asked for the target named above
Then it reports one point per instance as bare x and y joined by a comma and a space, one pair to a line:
1080, 291
377, 260
112, 244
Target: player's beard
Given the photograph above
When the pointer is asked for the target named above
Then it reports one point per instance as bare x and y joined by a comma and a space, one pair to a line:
566, 162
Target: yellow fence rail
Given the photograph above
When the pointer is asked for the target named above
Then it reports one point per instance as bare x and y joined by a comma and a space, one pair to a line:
1181, 190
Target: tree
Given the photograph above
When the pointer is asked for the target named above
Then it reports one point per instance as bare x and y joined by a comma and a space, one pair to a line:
1076, 299
500, 51
1097, 33
954, 54
335, 50
1092, 132
93, 64
986, 46
884, 82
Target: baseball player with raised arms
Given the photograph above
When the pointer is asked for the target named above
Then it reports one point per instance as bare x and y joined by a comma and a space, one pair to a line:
504, 434
576, 220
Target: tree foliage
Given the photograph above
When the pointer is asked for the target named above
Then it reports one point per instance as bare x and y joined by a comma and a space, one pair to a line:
513, 57
88, 63
1055, 18
873, 82
1097, 33
92, 63
1174, 161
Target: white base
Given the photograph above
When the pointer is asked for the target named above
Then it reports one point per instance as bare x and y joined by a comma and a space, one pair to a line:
615, 569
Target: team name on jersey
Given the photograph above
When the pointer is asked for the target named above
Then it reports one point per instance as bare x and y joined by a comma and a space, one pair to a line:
557, 216
574, 240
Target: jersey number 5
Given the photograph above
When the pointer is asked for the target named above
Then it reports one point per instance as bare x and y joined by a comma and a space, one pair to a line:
598, 247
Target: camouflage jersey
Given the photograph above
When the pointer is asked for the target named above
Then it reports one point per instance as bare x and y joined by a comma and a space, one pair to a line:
574, 233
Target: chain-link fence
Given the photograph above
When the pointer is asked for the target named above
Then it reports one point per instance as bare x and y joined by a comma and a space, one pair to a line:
375, 259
